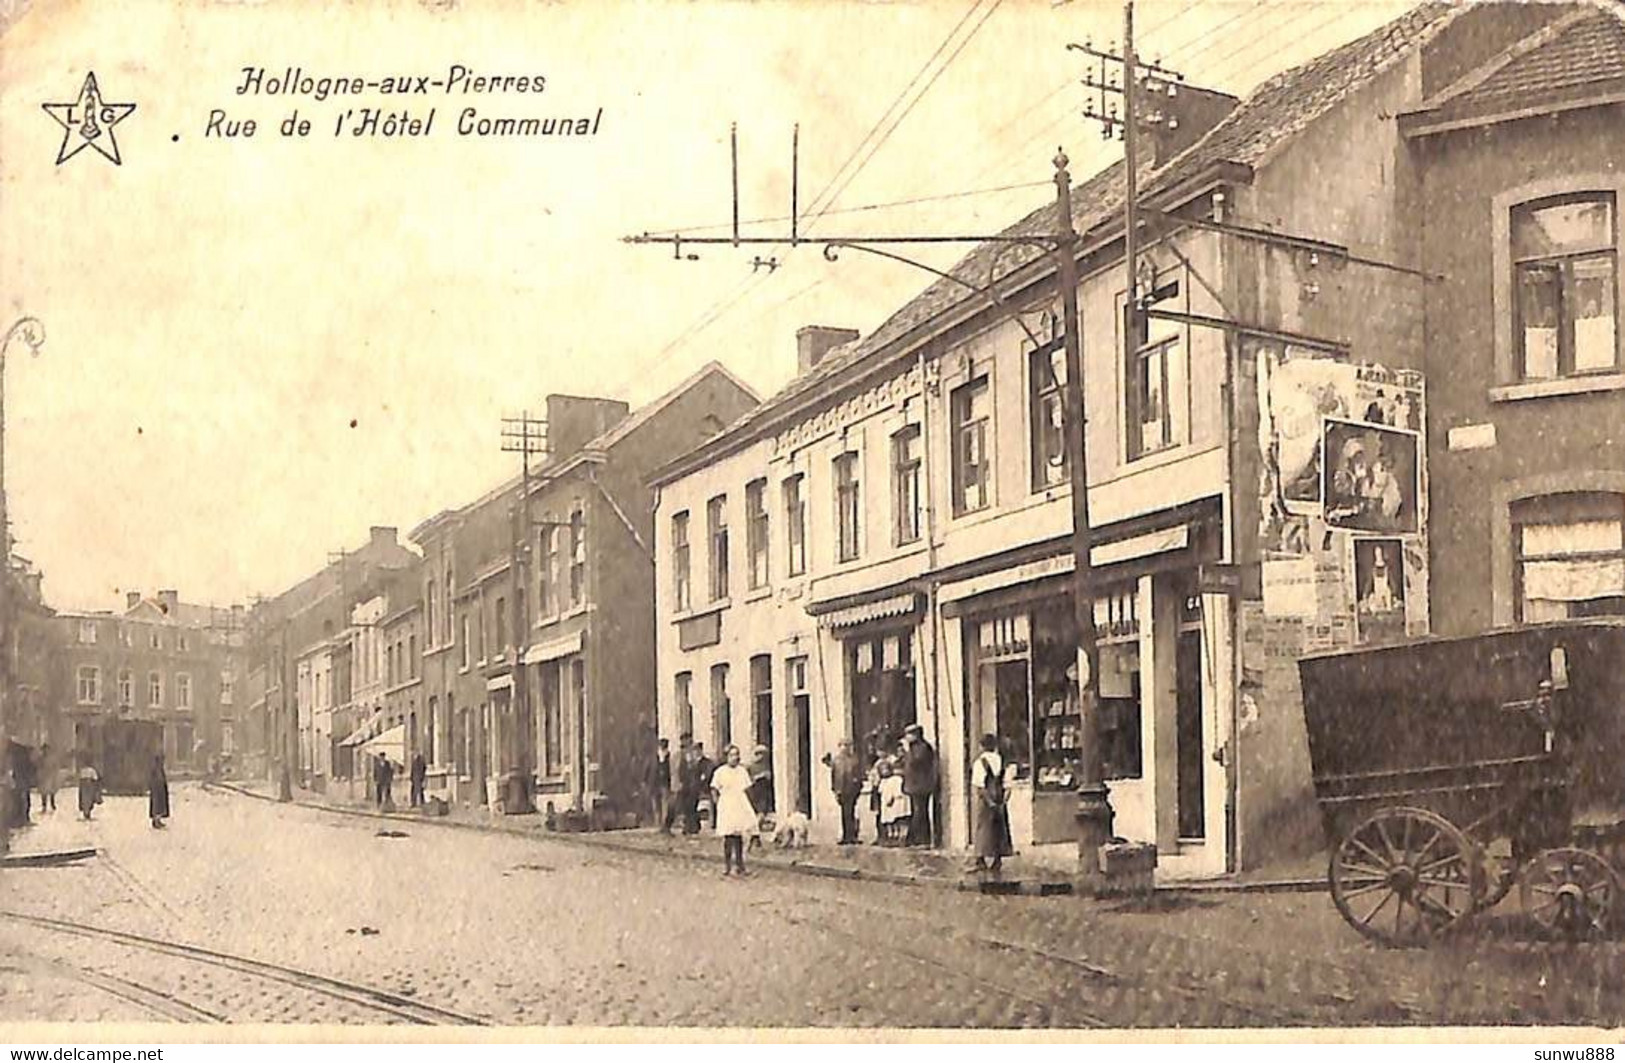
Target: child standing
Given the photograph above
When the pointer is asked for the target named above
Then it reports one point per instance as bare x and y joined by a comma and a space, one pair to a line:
896, 809
736, 816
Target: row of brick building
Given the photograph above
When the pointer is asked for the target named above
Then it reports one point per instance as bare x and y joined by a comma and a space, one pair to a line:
1388, 401
1383, 399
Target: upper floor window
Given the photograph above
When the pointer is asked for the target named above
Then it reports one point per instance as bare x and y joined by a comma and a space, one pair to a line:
795, 524
183, 690
905, 472
155, 689
1046, 371
547, 572
126, 689
87, 632
1564, 258
1158, 387
1569, 556
228, 688
756, 533
450, 634
125, 636
500, 644
155, 639
847, 508
681, 571
969, 408
467, 642
90, 684
412, 656
429, 608
578, 558
183, 644
716, 523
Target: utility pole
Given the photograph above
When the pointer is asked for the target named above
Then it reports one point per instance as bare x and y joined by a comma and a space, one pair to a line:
524, 435
1094, 811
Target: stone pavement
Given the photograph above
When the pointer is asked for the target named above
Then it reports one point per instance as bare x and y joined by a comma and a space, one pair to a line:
918, 867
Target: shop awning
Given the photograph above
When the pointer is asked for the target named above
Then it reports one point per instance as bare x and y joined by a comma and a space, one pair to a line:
392, 744
896, 605
553, 649
365, 731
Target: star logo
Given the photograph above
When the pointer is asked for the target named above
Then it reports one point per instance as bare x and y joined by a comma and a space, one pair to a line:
88, 123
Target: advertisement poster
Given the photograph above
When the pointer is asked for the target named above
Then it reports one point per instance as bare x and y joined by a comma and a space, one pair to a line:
1370, 478
1379, 590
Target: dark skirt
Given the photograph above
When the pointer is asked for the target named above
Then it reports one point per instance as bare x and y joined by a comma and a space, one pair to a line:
992, 831
89, 792
158, 801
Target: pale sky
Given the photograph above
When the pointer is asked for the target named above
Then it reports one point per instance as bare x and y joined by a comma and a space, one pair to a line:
219, 311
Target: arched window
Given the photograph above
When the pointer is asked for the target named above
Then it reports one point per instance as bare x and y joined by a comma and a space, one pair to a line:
1568, 555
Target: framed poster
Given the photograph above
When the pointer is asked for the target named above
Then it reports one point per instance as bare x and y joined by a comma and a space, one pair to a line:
1369, 477
1379, 590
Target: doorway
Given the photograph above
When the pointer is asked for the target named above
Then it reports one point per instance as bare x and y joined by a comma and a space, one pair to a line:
881, 671
800, 733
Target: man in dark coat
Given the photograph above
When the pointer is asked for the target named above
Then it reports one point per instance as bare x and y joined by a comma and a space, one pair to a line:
420, 775
704, 768
658, 782
157, 793
919, 783
22, 784
846, 772
386, 783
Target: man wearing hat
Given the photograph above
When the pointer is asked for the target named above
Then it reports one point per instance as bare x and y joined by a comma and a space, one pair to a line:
761, 782
919, 783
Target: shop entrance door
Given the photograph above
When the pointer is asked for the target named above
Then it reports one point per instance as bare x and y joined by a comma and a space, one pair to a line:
882, 687
1188, 735
800, 752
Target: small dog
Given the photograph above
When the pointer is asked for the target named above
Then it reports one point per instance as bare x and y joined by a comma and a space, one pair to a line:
791, 831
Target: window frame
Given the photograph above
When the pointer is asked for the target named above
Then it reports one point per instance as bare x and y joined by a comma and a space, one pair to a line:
1562, 265
793, 495
155, 690
578, 558
758, 536
126, 689
907, 463
848, 497
716, 548
1580, 500
183, 690
1045, 387
547, 583
88, 675
682, 563
963, 428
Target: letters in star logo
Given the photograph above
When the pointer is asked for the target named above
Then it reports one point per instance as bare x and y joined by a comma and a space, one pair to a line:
88, 121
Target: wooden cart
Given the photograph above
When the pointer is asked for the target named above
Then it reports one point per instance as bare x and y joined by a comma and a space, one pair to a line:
1447, 770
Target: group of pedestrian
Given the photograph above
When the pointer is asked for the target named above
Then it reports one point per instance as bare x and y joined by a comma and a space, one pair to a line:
737, 796
901, 779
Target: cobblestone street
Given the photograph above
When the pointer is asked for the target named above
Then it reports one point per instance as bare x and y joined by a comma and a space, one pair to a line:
516, 930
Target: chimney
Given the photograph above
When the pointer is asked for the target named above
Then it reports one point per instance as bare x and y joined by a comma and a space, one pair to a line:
169, 602
1180, 120
382, 536
132, 599
815, 341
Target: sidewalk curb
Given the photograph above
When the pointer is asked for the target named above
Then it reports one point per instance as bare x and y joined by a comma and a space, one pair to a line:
1284, 885
54, 858
588, 840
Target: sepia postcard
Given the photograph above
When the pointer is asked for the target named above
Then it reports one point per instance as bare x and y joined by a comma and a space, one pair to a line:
812, 520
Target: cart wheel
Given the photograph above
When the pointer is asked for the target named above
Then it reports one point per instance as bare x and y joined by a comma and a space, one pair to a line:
1403, 876
1569, 893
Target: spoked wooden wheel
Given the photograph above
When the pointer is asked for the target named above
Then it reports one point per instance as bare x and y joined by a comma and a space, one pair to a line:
1405, 875
1569, 893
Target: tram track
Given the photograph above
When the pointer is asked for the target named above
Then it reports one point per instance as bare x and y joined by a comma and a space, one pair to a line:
380, 1001
164, 1005
1089, 970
